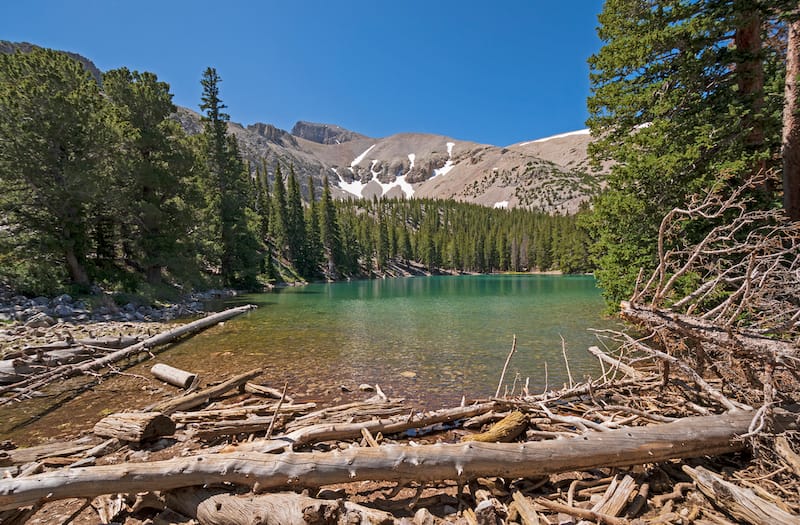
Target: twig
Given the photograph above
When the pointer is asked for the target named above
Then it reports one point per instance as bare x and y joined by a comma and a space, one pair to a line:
566, 361
505, 366
277, 409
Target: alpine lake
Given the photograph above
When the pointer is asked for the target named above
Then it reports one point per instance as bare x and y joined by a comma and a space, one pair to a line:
430, 340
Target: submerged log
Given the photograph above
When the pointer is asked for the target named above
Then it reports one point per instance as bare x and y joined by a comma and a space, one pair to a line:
201, 397
688, 437
135, 426
29, 385
173, 376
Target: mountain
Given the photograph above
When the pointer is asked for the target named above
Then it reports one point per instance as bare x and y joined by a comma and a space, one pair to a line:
550, 174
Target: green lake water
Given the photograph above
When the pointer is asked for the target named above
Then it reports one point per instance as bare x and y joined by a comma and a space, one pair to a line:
430, 338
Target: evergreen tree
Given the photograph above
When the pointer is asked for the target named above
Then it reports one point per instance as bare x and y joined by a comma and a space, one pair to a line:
296, 225
313, 244
227, 192
678, 109
277, 218
54, 155
152, 174
329, 232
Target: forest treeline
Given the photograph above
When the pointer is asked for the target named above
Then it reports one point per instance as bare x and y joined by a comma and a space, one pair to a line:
102, 186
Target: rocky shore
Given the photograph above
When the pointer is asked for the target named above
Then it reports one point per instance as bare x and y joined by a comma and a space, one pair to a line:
26, 321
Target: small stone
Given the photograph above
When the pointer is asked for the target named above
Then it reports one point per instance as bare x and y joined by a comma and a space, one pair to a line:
62, 310
364, 387
409, 374
40, 320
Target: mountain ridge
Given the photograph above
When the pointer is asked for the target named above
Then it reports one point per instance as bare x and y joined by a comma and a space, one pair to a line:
550, 174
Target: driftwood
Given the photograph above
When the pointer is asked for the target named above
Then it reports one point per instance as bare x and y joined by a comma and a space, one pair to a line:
689, 437
326, 431
135, 426
286, 508
266, 391
173, 376
62, 372
202, 397
740, 503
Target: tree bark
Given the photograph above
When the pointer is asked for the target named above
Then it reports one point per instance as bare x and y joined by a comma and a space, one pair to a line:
200, 397
791, 126
689, 437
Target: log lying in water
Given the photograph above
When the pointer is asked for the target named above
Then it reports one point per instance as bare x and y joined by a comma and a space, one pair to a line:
688, 437
173, 376
200, 397
62, 372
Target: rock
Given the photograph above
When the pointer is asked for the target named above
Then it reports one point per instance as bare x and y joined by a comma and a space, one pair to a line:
364, 387
63, 299
409, 374
40, 320
63, 310
41, 301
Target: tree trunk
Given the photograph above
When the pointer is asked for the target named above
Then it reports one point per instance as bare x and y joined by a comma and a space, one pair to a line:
77, 272
750, 75
686, 438
791, 126
135, 426
173, 376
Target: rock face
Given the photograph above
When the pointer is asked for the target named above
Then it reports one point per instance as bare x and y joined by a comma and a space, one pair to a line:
324, 133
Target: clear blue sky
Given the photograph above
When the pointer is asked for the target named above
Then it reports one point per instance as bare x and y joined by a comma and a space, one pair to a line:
491, 72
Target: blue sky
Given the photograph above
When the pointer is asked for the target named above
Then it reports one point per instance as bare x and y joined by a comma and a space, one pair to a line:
496, 73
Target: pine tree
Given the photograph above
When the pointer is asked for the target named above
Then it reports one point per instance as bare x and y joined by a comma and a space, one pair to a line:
295, 225
313, 244
227, 192
329, 232
54, 152
277, 218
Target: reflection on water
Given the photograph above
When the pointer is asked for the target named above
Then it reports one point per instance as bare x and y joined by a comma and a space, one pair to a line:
430, 340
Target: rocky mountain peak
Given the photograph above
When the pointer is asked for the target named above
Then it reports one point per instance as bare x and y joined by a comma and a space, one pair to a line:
272, 134
324, 133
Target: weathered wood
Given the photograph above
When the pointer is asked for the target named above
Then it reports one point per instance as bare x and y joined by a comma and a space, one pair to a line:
738, 502
708, 332
261, 390
201, 397
328, 431
287, 508
689, 437
62, 372
525, 508
227, 414
615, 363
135, 426
21, 456
505, 430
173, 376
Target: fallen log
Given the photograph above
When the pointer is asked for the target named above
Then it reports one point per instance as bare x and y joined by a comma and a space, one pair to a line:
505, 430
29, 385
173, 376
331, 431
708, 332
288, 508
135, 426
201, 397
740, 503
686, 438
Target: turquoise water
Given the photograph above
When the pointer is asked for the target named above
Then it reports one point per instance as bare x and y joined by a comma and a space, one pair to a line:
432, 339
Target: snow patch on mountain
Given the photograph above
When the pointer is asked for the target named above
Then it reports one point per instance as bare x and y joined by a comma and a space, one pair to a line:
444, 170
358, 159
355, 187
411, 158
559, 136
